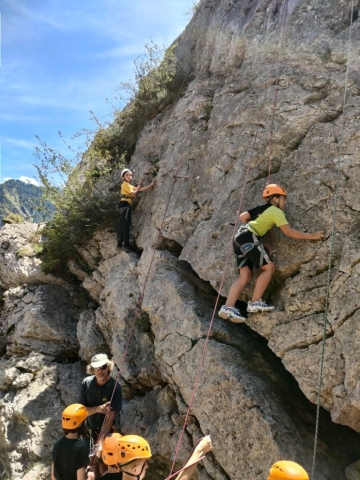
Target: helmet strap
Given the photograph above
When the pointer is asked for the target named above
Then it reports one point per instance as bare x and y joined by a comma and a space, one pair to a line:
132, 474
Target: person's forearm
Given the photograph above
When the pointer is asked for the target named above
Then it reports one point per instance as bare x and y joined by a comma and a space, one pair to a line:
106, 428
52, 472
92, 410
143, 189
299, 235
187, 474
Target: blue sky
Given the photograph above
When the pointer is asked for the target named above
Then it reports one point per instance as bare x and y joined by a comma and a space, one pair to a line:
62, 58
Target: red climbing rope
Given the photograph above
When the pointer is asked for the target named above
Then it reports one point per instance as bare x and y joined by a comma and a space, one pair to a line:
229, 248
283, 23
141, 296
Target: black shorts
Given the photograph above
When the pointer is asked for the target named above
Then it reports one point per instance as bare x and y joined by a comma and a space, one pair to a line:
254, 255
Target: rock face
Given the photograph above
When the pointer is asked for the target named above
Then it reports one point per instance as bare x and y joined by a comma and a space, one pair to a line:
19, 261
40, 319
267, 93
223, 137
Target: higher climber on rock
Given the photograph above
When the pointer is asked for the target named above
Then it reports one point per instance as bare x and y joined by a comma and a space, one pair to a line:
127, 457
286, 470
250, 250
70, 453
128, 193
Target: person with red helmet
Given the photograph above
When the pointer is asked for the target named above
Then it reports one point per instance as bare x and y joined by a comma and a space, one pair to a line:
128, 193
250, 251
127, 457
70, 453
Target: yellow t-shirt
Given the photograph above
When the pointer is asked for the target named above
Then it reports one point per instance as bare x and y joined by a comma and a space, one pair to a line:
127, 188
271, 217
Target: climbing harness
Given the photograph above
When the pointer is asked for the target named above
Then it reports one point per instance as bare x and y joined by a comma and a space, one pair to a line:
333, 228
124, 209
126, 196
247, 247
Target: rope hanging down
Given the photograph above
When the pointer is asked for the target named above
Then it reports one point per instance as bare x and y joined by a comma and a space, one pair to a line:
283, 23
333, 228
202, 359
141, 296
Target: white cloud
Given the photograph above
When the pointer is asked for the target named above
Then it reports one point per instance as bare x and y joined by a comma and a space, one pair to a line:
33, 14
16, 142
32, 181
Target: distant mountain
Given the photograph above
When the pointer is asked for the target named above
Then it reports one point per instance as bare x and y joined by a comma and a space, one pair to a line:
24, 199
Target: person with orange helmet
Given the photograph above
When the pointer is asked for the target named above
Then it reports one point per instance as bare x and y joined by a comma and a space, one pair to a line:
287, 470
70, 453
128, 193
250, 251
127, 457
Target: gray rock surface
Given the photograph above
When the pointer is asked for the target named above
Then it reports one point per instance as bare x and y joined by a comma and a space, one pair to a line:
30, 413
41, 319
216, 139
19, 262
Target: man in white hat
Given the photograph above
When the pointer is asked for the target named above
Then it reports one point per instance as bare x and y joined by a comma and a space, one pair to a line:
102, 396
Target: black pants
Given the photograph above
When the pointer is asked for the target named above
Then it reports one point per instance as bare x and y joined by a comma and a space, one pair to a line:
124, 223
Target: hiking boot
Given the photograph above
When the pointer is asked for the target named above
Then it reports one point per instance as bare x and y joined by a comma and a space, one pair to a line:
259, 306
232, 314
119, 246
128, 248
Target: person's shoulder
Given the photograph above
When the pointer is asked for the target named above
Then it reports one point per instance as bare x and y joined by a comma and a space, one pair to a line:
258, 210
59, 441
112, 476
276, 210
112, 381
88, 380
80, 444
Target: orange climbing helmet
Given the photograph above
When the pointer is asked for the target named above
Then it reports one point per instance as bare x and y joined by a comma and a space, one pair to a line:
286, 470
118, 449
111, 448
273, 189
73, 416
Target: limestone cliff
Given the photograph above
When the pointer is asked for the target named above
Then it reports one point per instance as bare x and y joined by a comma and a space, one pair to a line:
212, 150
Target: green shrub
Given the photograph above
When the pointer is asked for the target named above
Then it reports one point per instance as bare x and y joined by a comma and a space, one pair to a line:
158, 80
79, 187
13, 218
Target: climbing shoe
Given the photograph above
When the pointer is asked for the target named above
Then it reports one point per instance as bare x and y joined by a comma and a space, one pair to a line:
259, 306
119, 246
232, 314
128, 248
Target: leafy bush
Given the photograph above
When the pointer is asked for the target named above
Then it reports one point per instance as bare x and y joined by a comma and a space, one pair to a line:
13, 218
82, 198
79, 187
158, 81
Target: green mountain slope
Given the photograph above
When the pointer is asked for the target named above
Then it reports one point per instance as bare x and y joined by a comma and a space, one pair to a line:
22, 198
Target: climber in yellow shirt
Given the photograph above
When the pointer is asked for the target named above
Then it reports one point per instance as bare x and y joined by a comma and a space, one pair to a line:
128, 193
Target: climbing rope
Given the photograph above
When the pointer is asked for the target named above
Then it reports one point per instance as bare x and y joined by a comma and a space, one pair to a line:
229, 248
333, 228
141, 296
283, 23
